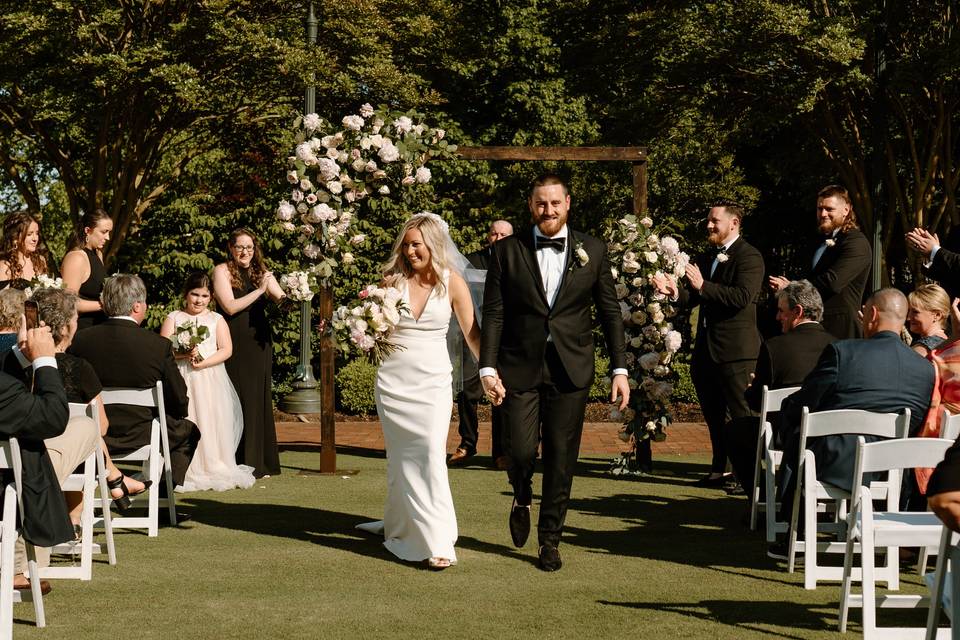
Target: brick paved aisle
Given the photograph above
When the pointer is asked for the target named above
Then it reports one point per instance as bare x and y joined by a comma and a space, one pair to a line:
598, 437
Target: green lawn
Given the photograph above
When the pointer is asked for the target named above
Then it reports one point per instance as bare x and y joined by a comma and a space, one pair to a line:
643, 559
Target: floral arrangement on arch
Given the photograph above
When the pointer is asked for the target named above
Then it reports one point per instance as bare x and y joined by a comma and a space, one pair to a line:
299, 285
636, 255
374, 154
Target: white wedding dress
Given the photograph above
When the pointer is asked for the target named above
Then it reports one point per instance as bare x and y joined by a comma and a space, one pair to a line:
215, 409
414, 401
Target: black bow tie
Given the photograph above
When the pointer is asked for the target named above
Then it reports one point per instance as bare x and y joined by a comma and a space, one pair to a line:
719, 250
553, 243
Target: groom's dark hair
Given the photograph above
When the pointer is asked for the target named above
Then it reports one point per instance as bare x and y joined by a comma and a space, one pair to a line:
547, 179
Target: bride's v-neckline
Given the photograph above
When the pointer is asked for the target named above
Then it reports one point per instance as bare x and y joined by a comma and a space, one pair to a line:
416, 318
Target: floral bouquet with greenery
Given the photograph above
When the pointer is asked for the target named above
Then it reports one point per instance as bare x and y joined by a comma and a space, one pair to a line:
299, 285
636, 255
189, 335
367, 324
42, 281
374, 154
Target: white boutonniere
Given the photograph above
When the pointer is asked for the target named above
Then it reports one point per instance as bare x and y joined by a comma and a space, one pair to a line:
581, 256
829, 242
722, 257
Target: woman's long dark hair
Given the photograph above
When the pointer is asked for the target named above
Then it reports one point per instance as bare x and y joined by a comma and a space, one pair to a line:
15, 228
255, 271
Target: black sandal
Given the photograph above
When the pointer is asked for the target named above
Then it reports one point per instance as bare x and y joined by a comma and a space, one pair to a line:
123, 503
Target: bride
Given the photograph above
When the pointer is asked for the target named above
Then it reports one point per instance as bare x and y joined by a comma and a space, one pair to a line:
414, 394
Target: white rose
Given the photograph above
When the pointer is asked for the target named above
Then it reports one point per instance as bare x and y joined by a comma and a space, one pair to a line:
285, 211
638, 318
439, 133
297, 195
653, 241
646, 221
650, 256
672, 341
370, 166
384, 190
622, 290
366, 110
333, 153
312, 122
302, 207
358, 164
311, 198
635, 342
389, 152
423, 175
292, 177
358, 239
324, 212
376, 140
377, 125
347, 258
407, 181
403, 124
669, 246
328, 168
305, 154
354, 123
334, 187
288, 226
365, 142
582, 256
312, 251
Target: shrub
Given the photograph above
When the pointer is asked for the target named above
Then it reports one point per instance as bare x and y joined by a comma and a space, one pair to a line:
355, 382
683, 390
600, 389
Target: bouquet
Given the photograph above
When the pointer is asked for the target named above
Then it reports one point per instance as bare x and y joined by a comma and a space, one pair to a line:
299, 285
42, 281
189, 335
368, 323
637, 254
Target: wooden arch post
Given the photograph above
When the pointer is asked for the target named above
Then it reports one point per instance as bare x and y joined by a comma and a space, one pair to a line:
637, 156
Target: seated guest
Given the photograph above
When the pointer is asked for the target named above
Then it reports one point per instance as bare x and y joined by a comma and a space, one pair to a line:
124, 355
50, 448
784, 361
878, 373
11, 315
943, 490
927, 317
58, 309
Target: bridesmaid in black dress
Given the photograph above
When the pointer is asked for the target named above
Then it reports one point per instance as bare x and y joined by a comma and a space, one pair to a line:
23, 254
83, 270
241, 286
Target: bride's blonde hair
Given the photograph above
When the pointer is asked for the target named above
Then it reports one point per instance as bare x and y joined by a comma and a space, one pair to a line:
432, 228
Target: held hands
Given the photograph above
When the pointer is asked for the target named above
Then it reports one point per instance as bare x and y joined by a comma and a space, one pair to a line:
666, 285
694, 277
778, 282
494, 390
619, 387
922, 241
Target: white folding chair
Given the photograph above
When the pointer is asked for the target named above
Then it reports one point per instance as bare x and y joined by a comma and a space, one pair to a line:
155, 457
94, 474
949, 430
766, 461
811, 491
948, 559
890, 529
12, 505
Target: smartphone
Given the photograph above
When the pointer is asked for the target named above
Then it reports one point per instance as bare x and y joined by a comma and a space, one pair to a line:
32, 314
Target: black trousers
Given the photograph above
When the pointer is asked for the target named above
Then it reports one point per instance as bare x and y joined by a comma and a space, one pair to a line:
469, 426
720, 387
552, 413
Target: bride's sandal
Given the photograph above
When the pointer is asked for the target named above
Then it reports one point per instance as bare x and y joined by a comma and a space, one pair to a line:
123, 503
438, 564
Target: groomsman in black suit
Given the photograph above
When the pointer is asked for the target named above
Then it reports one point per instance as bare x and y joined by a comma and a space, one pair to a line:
784, 361
537, 353
125, 355
725, 282
840, 263
879, 373
472, 391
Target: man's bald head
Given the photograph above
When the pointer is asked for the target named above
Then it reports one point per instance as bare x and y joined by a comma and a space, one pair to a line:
499, 230
885, 310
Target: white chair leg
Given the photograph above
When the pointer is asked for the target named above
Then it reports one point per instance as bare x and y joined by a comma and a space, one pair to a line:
771, 500
846, 584
868, 582
105, 500
8, 539
35, 591
755, 487
810, 537
936, 591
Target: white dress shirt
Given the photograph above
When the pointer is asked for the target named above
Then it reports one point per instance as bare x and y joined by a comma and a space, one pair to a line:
823, 247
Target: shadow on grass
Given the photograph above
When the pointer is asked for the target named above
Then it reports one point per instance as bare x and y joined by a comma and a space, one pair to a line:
308, 524
759, 616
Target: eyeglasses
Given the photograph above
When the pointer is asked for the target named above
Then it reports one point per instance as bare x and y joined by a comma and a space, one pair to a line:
246, 249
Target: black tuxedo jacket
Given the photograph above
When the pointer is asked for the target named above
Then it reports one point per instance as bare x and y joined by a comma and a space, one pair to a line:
879, 374
785, 360
32, 417
517, 318
727, 327
124, 355
841, 276
945, 269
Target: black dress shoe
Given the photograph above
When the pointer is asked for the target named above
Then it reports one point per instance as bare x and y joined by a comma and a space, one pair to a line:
519, 524
550, 558
712, 483
164, 517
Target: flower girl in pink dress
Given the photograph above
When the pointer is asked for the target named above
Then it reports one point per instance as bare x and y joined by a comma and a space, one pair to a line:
202, 344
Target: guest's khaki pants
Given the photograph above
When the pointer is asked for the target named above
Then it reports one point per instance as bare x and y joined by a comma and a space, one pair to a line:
67, 452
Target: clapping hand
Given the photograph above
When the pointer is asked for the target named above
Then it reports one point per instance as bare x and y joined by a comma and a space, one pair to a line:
777, 283
665, 285
694, 277
955, 316
922, 241
494, 390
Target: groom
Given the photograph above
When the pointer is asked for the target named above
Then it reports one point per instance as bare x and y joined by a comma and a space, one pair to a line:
536, 353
